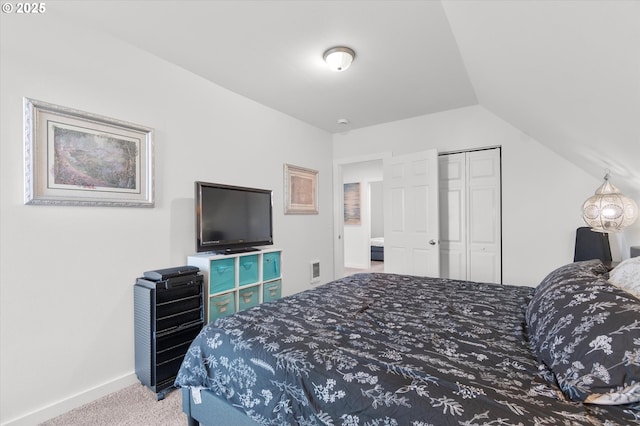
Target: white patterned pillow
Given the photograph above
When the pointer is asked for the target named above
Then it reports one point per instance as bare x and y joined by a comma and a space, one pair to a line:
626, 276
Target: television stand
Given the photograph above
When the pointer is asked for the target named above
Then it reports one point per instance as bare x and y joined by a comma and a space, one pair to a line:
237, 250
234, 282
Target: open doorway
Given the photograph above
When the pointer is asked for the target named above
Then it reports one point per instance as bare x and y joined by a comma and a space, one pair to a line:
371, 230
358, 213
352, 247
410, 212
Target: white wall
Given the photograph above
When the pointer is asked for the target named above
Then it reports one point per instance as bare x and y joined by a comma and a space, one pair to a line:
541, 192
376, 204
631, 235
66, 325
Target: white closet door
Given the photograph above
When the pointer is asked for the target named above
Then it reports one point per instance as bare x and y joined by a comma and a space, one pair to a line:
483, 213
453, 230
411, 224
470, 216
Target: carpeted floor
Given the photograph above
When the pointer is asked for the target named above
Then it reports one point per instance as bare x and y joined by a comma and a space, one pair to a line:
134, 405
376, 266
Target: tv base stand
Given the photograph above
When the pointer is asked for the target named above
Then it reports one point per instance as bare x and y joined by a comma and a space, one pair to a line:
238, 250
238, 281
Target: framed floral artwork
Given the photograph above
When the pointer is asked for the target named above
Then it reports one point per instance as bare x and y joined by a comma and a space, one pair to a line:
78, 158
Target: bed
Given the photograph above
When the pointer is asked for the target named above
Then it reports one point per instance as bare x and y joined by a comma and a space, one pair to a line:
377, 248
385, 349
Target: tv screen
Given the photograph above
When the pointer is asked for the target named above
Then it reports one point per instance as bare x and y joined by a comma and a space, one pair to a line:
232, 218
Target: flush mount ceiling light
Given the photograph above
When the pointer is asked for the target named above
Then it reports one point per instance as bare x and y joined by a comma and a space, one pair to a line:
339, 58
609, 210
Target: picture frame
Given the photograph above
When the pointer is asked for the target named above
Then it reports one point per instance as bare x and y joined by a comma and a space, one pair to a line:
352, 203
76, 158
301, 190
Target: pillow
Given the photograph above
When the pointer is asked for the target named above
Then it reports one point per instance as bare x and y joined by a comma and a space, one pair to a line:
587, 332
627, 276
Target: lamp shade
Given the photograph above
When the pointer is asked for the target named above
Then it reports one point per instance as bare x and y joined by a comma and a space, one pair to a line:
339, 58
609, 210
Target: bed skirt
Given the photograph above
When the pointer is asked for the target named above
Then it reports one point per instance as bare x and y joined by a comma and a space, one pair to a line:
212, 407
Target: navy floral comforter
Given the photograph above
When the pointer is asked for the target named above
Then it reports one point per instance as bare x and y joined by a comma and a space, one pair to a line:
384, 349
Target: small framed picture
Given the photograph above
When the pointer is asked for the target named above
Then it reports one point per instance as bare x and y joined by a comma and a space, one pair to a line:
78, 158
301, 190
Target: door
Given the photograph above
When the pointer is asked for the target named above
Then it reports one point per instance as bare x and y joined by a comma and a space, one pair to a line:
484, 216
470, 209
453, 206
411, 222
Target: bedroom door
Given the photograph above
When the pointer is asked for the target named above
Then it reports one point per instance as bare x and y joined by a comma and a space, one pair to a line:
411, 222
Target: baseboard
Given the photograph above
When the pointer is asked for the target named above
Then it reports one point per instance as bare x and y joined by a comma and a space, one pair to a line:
73, 401
355, 266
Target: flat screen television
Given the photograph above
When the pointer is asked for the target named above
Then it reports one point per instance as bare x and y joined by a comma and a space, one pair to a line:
232, 219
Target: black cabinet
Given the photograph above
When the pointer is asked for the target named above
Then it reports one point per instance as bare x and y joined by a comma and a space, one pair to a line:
168, 315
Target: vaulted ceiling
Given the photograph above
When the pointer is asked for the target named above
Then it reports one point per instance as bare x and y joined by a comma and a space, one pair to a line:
565, 72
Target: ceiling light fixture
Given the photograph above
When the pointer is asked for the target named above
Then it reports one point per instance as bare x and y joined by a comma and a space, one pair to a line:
339, 58
609, 210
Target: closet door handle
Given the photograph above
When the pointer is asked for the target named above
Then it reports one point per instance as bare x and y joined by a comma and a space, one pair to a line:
433, 242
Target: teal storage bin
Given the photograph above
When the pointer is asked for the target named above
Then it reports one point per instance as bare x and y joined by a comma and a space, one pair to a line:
271, 266
272, 291
248, 269
248, 297
222, 275
221, 306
